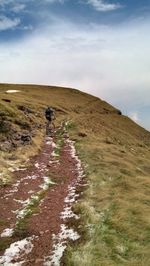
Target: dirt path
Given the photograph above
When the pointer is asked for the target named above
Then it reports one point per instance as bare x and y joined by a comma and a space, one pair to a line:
35, 210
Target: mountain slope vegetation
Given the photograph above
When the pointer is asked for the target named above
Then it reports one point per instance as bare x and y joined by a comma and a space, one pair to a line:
115, 152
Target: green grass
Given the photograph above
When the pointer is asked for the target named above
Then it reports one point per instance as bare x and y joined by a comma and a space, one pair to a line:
114, 208
5, 243
113, 211
21, 227
59, 140
59, 145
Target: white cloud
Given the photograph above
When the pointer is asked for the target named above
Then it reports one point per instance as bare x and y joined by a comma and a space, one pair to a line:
8, 23
134, 116
99, 5
17, 7
53, 1
103, 6
110, 62
5, 2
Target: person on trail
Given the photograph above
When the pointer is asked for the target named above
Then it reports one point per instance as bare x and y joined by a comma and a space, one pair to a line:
50, 116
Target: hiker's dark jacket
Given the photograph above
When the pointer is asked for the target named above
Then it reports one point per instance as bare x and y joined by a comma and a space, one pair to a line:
49, 113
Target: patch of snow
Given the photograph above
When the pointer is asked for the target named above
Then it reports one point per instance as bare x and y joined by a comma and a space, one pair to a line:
50, 162
23, 202
60, 241
49, 138
12, 191
58, 253
16, 185
68, 213
60, 244
68, 200
37, 165
31, 177
54, 162
7, 232
48, 143
54, 154
12, 91
26, 204
15, 168
16, 251
22, 213
30, 192
71, 197
67, 233
54, 145
20, 169
55, 259
51, 142
47, 183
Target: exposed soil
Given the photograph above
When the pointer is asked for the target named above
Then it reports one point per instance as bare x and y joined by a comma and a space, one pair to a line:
32, 207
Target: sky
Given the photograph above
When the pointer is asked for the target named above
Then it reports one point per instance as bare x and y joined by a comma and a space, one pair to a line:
101, 47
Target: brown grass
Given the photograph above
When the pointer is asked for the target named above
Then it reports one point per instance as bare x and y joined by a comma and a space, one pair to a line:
115, 207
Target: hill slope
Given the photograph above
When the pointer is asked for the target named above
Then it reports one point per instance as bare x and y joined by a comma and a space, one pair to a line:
116, 152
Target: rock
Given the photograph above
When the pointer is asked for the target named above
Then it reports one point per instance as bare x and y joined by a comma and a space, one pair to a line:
2, 114
6, 146
109, 141
33, 133
26, 138
6, 100
12, 158
15, 144
119, 112
82, 134
5, 126
25, 109
60, 110
37, 126
17, 136
115, 111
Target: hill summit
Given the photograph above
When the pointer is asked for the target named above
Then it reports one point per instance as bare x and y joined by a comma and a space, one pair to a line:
115, 152
22, 114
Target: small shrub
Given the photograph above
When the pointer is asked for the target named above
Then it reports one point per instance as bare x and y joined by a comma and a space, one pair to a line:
23, 124
4, 126
5, 243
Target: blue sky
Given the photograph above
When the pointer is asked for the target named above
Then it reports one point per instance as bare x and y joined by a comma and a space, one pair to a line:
99, 46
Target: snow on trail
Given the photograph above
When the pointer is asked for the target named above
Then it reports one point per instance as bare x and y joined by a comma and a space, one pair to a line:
16, 251
49, 233
24, 208
7, 232
60, 241
60, 244
40, 166
12, 91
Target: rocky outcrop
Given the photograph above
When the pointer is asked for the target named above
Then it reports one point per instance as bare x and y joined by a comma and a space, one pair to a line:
25, 109
6, 146
115, 111
26, 138
17, 132
6, 100
17, 139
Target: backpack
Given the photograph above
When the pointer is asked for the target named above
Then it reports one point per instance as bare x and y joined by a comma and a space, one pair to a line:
48, 113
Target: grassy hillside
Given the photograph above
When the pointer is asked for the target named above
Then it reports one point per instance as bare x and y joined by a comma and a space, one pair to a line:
116, 152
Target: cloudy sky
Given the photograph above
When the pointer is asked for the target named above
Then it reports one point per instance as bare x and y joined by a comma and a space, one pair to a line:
99, 46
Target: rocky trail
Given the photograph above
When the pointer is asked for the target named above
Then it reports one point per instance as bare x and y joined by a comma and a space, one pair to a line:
36, 210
